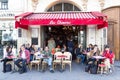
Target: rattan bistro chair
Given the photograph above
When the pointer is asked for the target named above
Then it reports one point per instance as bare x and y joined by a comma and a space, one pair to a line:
36, 61
57, 59
67, 60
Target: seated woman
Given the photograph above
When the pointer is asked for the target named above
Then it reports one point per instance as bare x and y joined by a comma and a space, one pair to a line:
8, 56
94, 52
109, 58
57, 49
32, 51
89, 48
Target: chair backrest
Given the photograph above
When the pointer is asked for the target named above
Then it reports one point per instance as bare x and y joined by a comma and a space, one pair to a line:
68, 56
36, 56
57, 54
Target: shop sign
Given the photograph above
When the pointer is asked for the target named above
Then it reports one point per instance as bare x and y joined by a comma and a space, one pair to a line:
59, 22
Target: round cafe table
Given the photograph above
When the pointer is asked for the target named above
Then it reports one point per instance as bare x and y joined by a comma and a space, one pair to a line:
99, 57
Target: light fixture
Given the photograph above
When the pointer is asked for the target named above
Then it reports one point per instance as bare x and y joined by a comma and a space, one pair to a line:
49, 28
81, 32
73, 27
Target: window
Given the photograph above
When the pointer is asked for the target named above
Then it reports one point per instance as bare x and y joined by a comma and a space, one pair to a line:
34, 36
63, 7
4, 4
68, 7
76, 8
104, 33
58, 7
19, 32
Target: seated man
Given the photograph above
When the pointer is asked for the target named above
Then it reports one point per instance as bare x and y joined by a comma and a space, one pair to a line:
48, 59
79, 53
24, 57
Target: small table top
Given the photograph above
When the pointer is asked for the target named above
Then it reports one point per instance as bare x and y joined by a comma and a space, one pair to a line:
99, 57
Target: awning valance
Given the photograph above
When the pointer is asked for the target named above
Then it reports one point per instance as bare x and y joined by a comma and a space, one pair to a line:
61, 18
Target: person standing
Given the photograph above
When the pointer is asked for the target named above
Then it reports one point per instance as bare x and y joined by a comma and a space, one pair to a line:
24, 57
27, 46
8, 56
51, 44
70, 45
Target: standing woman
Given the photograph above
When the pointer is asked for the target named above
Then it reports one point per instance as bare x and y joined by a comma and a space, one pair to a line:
8, 56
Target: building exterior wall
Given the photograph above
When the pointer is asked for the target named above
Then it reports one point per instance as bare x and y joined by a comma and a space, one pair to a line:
87, 5
113, 14
94, 37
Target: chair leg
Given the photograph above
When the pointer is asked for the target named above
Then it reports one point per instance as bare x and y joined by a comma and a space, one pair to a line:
63, 66
70, 67
53, 66
101, 70
38, 67
31, 66
112, 66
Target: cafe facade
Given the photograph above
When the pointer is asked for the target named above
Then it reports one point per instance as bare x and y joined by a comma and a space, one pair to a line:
66, 18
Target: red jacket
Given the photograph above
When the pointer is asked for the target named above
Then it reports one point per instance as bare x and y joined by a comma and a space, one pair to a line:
109, 55
27, 55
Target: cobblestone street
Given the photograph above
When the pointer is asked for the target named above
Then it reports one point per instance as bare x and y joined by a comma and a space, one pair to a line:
77, 73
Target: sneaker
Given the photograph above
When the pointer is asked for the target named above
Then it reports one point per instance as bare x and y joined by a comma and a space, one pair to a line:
4, 71
42, 71
51, 71
104, 72
21, 72
1, 60
110, 70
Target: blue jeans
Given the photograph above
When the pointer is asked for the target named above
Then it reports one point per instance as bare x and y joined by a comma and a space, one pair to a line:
70, 49
49, 61
23, 66
31, 57
82, 57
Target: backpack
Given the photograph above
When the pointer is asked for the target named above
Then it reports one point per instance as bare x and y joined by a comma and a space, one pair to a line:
93, 69
8, 67
87, 68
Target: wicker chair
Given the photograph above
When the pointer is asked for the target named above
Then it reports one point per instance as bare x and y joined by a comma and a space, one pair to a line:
67, 60
57, 59
36, 61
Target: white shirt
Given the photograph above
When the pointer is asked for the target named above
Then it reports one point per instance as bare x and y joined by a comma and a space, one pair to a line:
23, 55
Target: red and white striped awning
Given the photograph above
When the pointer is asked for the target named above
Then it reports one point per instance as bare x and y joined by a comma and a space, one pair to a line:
61, 18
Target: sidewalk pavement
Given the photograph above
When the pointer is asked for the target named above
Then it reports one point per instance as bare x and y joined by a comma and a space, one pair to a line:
77, 73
